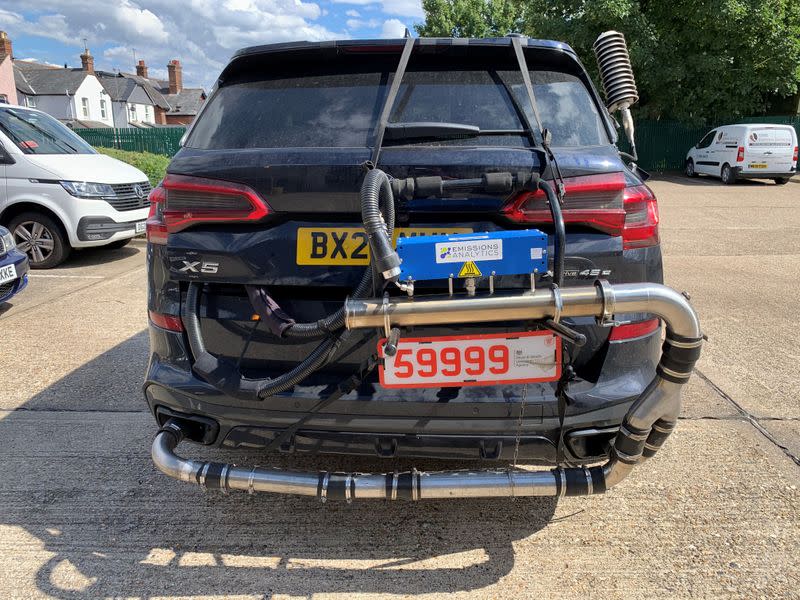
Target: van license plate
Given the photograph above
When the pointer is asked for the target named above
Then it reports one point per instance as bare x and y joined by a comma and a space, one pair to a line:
348, 246
466, 360
8, 273
757, 165
140, 227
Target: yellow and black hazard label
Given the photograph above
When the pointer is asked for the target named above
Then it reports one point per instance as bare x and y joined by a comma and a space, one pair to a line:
470, 269
349, 245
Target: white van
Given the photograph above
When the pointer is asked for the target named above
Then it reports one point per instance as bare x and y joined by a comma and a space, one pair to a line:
754, 151
57, 193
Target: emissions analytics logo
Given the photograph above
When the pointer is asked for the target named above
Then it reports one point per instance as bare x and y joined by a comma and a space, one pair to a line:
472, 250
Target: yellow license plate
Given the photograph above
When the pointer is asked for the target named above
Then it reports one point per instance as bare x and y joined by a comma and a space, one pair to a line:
758, 165
348, 246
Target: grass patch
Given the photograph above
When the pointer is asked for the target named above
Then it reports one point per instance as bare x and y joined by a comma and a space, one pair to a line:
153, 165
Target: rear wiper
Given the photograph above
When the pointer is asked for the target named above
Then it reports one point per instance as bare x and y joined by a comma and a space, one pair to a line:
441, 130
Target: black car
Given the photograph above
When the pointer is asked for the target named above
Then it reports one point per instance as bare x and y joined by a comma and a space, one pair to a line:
282, 317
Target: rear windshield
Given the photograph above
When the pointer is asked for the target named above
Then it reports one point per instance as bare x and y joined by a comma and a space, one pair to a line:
341, 109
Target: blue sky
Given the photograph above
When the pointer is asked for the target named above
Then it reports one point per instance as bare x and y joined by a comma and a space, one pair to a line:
202, 34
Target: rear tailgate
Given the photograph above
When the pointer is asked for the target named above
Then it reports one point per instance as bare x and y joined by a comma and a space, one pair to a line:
769, 149
299, 142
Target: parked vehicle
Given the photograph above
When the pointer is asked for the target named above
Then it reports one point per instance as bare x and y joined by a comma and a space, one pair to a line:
57, 193
282, 318
752, 151
13, 267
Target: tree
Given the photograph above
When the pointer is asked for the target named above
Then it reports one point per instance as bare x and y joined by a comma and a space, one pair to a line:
694, 60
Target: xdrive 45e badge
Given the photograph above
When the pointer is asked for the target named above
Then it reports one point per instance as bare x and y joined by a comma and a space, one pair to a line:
587, 273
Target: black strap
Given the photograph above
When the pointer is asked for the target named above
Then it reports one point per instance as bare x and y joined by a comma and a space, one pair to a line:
526, 79
390, 98
345, 386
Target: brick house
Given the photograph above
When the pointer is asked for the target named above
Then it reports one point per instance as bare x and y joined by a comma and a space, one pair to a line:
175, 104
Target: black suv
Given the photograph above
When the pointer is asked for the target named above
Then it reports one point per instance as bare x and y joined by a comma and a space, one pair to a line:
280, 318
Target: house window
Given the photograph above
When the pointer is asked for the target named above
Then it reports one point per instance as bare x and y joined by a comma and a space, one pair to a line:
85, 107
30, 101
3, 99
103, 113
132, 111
147, 116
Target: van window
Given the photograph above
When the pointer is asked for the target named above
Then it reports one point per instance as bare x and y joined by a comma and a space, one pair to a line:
706, 141
38, 133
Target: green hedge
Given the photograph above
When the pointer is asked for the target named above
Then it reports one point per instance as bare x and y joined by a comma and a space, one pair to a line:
153, 165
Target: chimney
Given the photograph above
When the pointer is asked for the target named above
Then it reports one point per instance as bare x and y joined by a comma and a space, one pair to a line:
5, 45
175, 76
141, 69
87, 61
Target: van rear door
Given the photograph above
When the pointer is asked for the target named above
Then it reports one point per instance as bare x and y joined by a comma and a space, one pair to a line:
769, 149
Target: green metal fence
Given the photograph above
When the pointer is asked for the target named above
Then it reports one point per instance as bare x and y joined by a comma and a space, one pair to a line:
159, 140
662, 145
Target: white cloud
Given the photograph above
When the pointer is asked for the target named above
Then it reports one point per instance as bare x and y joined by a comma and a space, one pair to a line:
393, 28
403, 8
201, 33
352, 13
361, 24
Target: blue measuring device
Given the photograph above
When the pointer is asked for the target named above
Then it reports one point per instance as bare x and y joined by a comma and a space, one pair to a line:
472, 255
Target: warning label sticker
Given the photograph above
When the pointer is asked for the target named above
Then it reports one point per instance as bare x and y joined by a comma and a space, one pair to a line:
470, 269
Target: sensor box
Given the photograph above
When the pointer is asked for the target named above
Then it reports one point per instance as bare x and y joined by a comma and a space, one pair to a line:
472, 255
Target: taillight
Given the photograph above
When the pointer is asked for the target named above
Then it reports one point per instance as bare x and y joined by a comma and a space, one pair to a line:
641, 218
168, 322
740, 154
192, 200
600, 202
593, 201
156, 228
630, 331
794, 156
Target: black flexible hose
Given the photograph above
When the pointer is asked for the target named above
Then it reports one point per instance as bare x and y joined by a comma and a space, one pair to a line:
375, 192
559, 236
221, 375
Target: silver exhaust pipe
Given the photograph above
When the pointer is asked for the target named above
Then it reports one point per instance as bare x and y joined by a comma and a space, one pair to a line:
649, 421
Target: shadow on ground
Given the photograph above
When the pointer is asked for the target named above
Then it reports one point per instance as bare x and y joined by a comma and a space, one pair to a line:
85, 489
706, 180
87, 257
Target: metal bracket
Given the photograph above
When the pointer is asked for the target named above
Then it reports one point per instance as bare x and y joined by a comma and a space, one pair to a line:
607, 292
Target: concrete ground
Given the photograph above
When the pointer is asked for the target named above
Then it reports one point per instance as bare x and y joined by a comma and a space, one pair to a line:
84, 514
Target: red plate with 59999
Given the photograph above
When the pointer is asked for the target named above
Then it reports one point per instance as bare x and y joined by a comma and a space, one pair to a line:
461, 360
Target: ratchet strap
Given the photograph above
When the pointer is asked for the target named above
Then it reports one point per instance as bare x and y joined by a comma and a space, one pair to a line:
344, 387
390, 98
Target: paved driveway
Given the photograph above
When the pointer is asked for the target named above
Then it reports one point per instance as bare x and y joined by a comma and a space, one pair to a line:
84, 514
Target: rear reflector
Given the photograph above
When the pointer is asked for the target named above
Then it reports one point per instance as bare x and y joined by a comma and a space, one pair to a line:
168, 322
739, 154
192, 200
633, 330
601, 202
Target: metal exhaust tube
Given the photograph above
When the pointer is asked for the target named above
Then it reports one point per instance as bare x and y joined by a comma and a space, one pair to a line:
649, 421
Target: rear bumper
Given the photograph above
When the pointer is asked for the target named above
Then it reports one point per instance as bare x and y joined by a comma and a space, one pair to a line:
480, 423
762, 175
